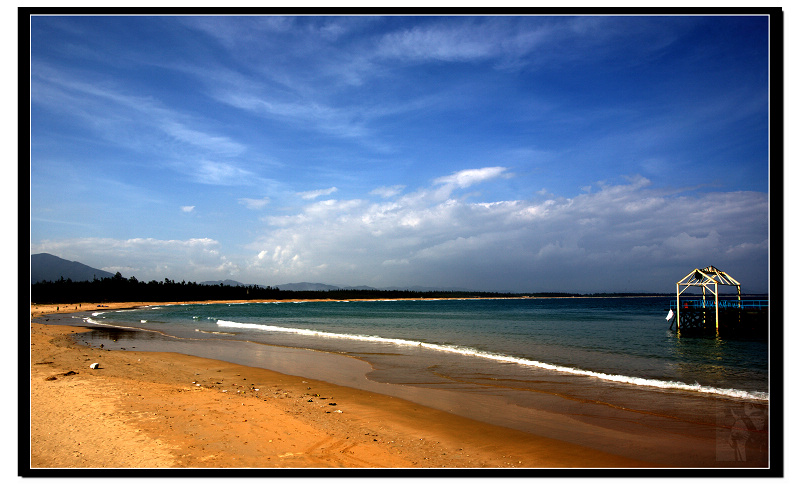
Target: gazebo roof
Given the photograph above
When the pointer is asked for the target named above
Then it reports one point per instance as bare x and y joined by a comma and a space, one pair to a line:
706, 276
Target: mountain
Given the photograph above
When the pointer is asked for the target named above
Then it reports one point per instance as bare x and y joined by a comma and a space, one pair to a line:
47, 267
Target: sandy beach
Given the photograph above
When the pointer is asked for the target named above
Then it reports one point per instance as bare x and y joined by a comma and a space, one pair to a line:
169, 410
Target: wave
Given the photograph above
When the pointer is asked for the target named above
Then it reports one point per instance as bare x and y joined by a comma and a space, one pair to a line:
89, 320
468, 351
216, 332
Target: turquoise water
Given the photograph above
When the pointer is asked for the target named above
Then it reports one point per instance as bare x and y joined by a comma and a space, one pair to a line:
616, 340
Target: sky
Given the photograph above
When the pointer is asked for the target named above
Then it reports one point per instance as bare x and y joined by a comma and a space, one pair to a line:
499, 153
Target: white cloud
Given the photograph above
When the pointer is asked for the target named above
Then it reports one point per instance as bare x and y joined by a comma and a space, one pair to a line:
317, 193
470, 177
187, 209
459, 180
631, 232
255, 203
219, 173
616, 237
388, 191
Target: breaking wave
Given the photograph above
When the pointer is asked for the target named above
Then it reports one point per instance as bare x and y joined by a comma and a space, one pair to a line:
468, 351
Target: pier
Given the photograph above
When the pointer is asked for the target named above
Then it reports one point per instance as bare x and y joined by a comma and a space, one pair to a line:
709, 314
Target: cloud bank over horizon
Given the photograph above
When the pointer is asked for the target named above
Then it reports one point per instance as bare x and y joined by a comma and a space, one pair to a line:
622, 237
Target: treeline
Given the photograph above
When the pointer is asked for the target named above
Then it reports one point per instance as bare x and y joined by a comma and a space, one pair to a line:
120, 289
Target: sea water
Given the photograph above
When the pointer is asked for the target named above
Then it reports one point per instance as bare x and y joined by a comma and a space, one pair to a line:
479, 344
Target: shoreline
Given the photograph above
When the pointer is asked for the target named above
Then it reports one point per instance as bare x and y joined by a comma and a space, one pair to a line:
153, 410
47, 308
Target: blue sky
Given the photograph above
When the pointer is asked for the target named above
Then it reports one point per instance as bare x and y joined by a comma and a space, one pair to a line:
524, 153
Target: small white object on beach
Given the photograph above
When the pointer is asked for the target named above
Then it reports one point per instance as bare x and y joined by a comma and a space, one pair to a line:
670, 315
94, 366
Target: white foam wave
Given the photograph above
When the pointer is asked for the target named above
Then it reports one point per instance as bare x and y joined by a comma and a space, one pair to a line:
216, 332
467, 351
89, 320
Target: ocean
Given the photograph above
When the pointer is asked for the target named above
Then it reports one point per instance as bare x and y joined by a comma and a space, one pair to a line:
623, 340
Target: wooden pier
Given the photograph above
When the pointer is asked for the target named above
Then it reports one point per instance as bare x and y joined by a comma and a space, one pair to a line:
715, 316
733, 318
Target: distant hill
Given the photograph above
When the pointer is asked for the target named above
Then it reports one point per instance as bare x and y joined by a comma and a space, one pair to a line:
47, 267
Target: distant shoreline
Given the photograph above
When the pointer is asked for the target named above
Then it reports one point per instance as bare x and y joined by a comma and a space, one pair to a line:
84, 306
50, 308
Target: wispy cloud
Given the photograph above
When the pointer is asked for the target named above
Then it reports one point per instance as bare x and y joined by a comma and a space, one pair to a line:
220, 145
255, 203
440, 42
139, 123
187, 209
317, 193
509, 42
466, 178
388, 191
210, 172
